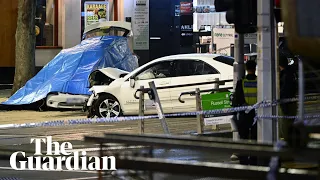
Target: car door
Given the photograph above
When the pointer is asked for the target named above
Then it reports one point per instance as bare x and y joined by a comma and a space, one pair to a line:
160, 73
191, 72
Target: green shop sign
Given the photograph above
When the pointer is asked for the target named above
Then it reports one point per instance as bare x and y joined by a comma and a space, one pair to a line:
216, 101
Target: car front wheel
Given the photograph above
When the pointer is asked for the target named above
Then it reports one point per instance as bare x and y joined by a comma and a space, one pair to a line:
107, 106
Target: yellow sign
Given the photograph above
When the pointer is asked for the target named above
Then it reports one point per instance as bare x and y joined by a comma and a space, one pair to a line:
94, 11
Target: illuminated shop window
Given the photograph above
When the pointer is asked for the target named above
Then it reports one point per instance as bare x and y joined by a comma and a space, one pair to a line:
46, 23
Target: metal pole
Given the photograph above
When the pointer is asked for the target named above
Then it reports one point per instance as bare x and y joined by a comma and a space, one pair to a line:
151, 156
141, 110
300, 139
301, 92
216, 86
238, 66
159, 108
273, 68
265, 128
277, 71
199, 116
239, 70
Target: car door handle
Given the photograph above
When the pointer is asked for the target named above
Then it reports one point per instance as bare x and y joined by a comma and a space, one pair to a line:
163, 83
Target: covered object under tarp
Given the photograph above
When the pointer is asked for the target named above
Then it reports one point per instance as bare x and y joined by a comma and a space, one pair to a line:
68, 72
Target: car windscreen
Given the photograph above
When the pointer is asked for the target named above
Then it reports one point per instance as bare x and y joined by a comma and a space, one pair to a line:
98, 78
225, 60
112, 31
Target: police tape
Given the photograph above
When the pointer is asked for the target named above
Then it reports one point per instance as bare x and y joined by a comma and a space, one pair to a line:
284, 101
266, 103
305, 117
56, 123
262, 104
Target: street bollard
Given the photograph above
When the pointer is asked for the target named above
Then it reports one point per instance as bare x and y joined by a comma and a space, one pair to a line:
141, 110
199, 116
159, 107
216, 86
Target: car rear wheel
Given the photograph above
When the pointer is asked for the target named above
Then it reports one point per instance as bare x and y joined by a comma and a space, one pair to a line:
107, 107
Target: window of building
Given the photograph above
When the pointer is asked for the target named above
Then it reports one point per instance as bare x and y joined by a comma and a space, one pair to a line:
46, 23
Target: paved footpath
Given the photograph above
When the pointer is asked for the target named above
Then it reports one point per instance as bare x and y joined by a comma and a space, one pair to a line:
12, 140
183, 125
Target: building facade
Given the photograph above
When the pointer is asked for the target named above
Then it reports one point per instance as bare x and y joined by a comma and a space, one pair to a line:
59, 25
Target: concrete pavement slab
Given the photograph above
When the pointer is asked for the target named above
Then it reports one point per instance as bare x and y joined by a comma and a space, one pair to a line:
4, 94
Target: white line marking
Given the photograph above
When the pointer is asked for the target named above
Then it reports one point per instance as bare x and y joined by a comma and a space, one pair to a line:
81, 178
108, 148
9, 168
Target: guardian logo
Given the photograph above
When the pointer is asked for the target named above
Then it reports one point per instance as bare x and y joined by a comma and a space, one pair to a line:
62, 153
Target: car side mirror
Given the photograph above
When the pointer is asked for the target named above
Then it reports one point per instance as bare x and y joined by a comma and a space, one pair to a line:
132, 82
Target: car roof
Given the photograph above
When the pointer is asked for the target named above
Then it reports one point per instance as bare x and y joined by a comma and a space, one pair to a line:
209, 58
227, 61
104, 24
188, 56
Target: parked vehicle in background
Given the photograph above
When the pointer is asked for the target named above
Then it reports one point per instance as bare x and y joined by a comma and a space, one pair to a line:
117, 97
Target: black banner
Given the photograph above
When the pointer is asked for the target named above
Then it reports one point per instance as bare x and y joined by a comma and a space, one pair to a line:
186, 23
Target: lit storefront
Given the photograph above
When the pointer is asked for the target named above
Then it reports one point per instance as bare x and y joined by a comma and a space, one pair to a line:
59, 25
213, 34
54, 18
46, 23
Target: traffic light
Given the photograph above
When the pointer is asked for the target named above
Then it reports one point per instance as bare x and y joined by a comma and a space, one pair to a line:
241, 13
277, 11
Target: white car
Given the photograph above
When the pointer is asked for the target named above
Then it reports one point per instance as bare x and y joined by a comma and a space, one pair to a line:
117, 98
74, 101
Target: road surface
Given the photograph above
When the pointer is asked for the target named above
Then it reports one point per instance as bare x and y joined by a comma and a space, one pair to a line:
12, 140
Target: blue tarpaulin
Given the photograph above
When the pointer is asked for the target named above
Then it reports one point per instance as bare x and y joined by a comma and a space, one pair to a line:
69, 71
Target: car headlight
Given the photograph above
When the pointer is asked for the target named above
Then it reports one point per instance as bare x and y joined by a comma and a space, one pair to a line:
92, 90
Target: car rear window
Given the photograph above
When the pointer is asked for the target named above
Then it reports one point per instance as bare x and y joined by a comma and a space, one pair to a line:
225, 60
